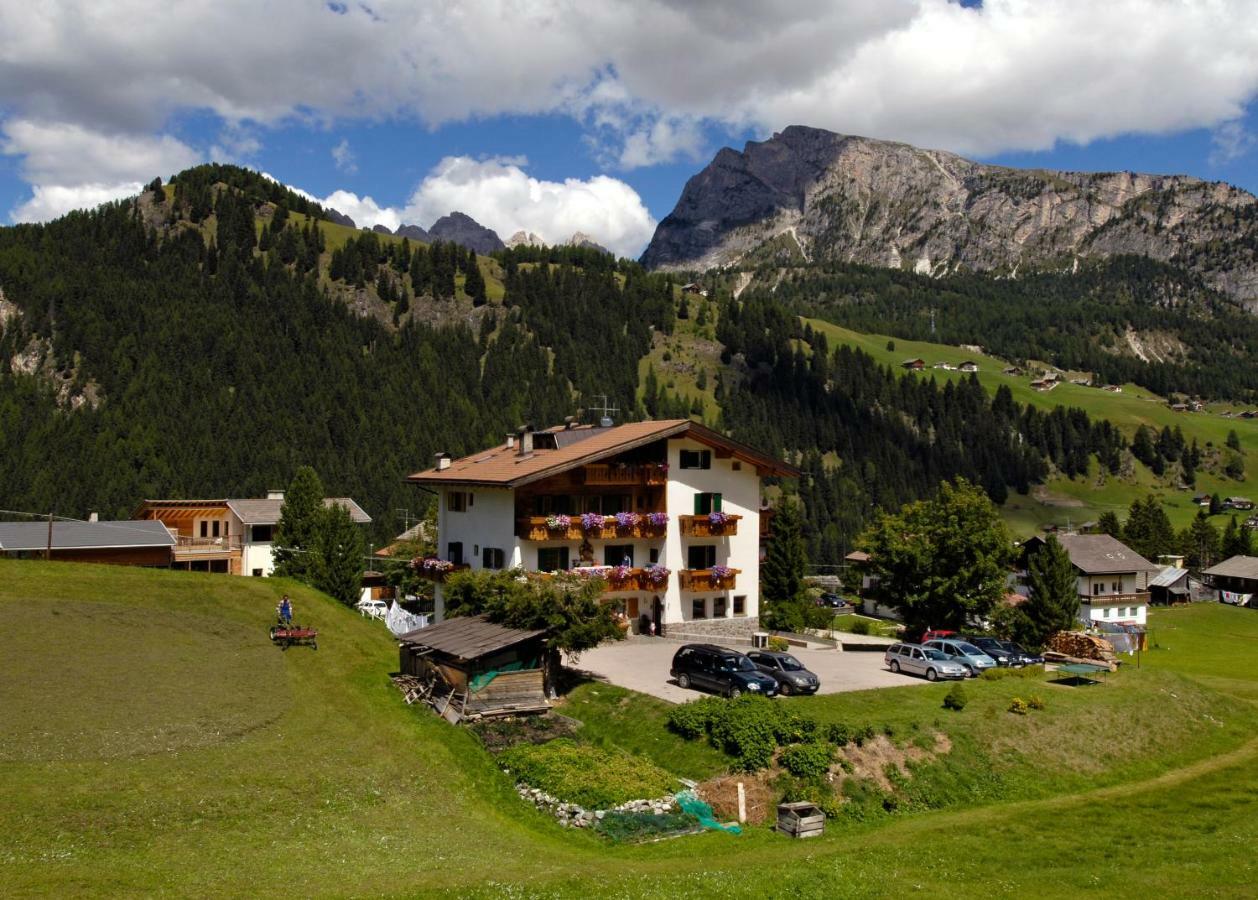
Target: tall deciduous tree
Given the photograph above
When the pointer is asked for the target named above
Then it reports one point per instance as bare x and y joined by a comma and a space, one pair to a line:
299, 524
942, 562
1053, 601
337, 554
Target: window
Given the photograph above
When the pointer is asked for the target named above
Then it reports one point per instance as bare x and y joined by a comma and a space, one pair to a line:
492, 557
740, 605
698, 608
205, 529
696, 459
654, 555
1096, 589
618, 555
701, 556
1116, 587
718, 607
736, 465
214, 527
456, 501
706, 503
257, 573
552, 559
262, 534
614, 503
454, 552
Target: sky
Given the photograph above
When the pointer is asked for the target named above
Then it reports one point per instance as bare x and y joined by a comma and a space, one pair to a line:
556, 116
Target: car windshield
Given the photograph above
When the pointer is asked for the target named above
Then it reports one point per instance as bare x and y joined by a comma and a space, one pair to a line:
736, 664
935, 654
790, 663
1012, 647
969, 650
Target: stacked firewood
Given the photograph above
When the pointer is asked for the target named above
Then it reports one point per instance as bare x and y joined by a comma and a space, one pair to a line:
1086, 647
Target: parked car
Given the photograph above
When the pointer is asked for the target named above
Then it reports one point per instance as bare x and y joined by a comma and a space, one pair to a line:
918, 660
719, 669
975, 661
831, 600
375, 609
791, 676
1028, 658
997, 650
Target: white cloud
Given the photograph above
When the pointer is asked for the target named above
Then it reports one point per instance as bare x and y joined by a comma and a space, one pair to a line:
343, 157
1229, 142
499, 194
72, 167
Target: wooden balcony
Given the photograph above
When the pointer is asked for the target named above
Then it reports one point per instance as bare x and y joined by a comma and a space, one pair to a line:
633, 580
612, 474
537, 528
766, 523
702, 526
439, 576
187, 548
707, 580
1137, 599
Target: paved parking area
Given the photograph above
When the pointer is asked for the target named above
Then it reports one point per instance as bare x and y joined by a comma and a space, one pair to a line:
642, 665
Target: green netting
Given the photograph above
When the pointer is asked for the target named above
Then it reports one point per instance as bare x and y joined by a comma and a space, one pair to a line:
692, 805
479, 681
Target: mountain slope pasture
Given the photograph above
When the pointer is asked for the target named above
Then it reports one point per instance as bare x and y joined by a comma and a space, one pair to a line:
189, 757
1080, 499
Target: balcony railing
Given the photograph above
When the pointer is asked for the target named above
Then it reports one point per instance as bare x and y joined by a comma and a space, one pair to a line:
715, 579
1137, 598
707, 526
189, 546
766, 523
611, 474
437, 571
620, 579
576, 528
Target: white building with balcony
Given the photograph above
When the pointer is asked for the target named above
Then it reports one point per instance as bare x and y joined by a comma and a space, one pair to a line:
668, 512
1112, 579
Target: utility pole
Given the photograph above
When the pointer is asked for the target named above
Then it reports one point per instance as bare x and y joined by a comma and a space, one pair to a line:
48, 548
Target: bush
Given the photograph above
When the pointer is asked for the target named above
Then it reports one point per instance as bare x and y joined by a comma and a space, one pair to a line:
864, 734
1018, 706
839, 734
1035, 702
861, 626
590, 776
1001, 674
693, 719
811, 760
956, 698
747, 730
779, 644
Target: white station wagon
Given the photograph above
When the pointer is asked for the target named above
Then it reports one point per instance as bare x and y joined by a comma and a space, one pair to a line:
918, 660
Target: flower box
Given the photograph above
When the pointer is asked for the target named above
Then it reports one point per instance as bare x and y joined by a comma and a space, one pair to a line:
437, 570
717, 578
717, 524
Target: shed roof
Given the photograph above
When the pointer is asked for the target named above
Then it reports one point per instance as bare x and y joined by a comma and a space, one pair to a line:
1236, 567
15, 536
469, 637
1168, 577
504, 466
1102, 554
267, 512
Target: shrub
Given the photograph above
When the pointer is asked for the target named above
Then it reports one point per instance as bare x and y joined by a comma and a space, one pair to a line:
693, 719
746, 730
811, 760
778, 644
590, 776
839, 734
956, 698
1018, 706
861, 626
1002, 673
864, 734
1035, 702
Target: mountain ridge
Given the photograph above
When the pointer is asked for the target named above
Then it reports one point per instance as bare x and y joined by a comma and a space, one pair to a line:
824, 196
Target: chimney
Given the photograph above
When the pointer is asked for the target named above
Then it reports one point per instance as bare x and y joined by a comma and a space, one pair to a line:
526, 440
275, 495
443, 460
93, 517
510, 440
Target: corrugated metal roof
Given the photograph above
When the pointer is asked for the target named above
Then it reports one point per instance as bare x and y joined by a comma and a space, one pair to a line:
29, 536
1102, 554
1236, 567
1168, 576
503, 466
267, 512
468, 637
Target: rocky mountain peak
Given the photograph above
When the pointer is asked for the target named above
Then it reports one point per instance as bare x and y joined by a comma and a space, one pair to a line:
460, 228
525, 239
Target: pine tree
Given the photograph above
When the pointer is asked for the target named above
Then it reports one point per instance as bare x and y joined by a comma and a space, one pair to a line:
338, 553
1236, 540
298, 527
1052, 604
474, 285
1108, 524
1200, 542
782, 574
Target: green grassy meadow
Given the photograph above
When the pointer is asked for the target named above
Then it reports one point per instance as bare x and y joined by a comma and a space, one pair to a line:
1063, 500
153, 742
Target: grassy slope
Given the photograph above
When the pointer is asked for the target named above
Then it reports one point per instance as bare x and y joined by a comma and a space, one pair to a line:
199, 760
1080, 499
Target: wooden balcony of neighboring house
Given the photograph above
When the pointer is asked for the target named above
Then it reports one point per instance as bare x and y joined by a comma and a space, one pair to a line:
708, 579
554, 528
614, 474
706, 526
187, 547
766, 523
1135, 599
438, 573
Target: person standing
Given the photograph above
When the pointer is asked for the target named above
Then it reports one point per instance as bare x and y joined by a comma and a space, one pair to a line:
286, 610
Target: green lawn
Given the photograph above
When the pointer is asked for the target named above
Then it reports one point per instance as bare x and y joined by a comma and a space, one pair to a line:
153, 742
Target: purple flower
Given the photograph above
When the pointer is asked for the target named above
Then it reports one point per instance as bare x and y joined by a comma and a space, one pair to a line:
432, 565
718, 519
658, 519
620, 573
558, 522
592, 521
657, 574
627, 519
721, 573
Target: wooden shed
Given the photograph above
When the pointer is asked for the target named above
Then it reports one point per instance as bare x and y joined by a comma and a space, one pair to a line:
468, 667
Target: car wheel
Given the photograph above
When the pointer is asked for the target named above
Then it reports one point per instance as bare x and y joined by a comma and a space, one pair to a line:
970, 673
895, 666
932, 675
733, 693
784, 688
683, 681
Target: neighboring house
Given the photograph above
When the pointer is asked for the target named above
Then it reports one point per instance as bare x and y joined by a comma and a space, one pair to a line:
1044, 384
123, 543
1235, 579
968, 366
1238, 503
1113, 579
1170, 586
913, 364
232, 536
417, 533
648, 496
1012, 370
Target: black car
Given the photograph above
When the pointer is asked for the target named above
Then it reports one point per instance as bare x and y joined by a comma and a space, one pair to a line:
721, 670
996, 650
831, 600
1028, 658
792, 677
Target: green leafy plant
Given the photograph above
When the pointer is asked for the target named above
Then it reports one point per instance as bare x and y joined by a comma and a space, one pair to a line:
861, 626
1035, 701
779, 645
590, 776
636, 826
839, 734
1019, 706
810, 760
956, 698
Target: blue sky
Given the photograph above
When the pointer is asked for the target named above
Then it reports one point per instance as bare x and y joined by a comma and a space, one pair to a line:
555, 116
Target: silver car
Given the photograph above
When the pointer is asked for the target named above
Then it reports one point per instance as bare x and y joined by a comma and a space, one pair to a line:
975, 661
919, 660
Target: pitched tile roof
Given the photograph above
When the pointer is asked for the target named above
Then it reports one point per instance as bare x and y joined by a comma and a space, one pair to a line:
504, 466
1236, 567
1102, 554
267, 512
16, 536
468, 637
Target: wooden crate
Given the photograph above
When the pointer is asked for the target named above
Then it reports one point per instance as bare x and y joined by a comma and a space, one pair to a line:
800, 820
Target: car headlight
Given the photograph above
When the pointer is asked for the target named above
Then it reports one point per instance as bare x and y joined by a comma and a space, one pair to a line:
753, 687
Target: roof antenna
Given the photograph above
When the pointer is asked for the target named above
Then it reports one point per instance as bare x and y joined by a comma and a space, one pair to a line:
605, 420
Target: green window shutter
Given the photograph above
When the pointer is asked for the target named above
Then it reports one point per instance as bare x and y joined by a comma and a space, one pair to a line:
716, 503
699, 498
